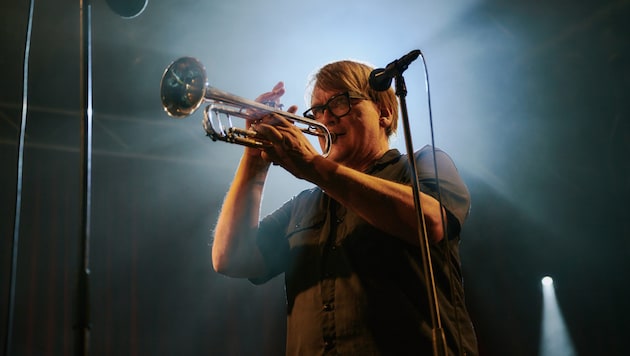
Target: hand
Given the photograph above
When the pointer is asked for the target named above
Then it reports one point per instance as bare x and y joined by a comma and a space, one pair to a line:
290, 148
271, 97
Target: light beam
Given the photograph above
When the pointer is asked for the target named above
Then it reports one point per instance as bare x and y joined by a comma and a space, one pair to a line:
554, 336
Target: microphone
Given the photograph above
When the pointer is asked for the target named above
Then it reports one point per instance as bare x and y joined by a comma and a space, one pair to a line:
381, 78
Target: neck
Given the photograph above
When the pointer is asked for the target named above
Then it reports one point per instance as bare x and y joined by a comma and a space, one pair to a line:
367, 162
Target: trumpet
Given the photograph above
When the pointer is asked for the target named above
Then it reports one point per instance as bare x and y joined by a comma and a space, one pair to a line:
184, 88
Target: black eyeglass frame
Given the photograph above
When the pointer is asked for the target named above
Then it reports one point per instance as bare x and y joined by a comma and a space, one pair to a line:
326, 106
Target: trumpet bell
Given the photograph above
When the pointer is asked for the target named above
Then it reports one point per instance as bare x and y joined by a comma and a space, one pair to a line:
183, 87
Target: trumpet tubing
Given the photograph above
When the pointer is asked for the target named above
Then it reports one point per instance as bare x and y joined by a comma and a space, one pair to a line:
184, 89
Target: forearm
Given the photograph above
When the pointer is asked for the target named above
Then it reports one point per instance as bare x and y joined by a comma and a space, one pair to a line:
234, 250
387, 205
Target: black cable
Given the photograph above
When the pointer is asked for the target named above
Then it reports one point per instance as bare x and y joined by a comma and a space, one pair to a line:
18, 189
447, 260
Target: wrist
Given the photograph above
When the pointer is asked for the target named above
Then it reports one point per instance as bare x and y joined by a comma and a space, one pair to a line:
322, 170
253, 169
254, 161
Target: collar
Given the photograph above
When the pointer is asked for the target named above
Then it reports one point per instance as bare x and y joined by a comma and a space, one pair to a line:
391, 156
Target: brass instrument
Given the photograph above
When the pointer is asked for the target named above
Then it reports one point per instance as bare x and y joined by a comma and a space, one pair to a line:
184, 88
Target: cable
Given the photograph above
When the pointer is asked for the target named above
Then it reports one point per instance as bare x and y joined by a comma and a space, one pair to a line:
447, 260
18, 189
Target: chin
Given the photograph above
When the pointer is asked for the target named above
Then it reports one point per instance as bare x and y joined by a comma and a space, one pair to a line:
337, 155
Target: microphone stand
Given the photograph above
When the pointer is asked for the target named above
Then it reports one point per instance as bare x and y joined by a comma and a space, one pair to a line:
438, 337
83, 324
127, 9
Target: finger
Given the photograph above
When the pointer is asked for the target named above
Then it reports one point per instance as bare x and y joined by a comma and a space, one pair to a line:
277, 92
273, 95
268, 132
292, 109
275, 119
278, 87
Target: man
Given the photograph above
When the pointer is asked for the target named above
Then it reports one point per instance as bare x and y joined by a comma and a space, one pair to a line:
349, 248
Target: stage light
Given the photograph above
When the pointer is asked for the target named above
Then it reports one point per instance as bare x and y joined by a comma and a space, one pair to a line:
554, 334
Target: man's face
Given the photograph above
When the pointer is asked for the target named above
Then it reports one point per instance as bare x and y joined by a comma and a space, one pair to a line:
361, 136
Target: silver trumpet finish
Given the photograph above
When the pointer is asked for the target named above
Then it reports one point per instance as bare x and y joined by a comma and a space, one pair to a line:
184, 88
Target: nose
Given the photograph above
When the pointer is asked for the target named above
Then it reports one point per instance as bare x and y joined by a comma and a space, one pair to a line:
328, 118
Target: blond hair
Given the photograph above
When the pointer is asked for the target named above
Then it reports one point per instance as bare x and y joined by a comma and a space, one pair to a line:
352, 76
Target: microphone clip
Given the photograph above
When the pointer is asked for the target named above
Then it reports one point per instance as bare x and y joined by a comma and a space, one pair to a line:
381, 78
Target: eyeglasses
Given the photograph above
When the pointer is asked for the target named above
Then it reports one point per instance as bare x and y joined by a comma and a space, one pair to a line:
338, 106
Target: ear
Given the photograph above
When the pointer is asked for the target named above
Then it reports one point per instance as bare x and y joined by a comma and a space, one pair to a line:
385, 119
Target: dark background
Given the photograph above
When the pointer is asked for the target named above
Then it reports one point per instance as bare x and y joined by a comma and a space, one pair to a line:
530, 98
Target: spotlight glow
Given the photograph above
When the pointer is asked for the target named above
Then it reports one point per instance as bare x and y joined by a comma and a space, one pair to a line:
554, 335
